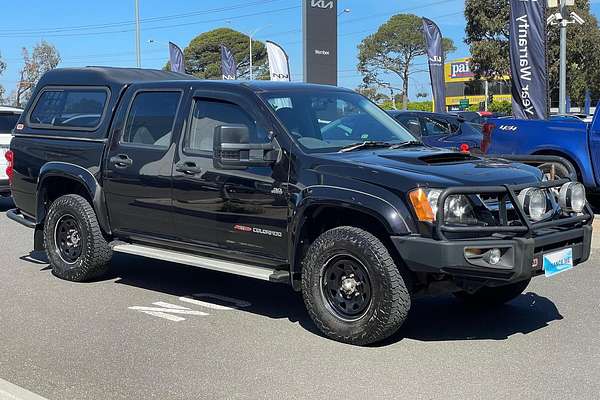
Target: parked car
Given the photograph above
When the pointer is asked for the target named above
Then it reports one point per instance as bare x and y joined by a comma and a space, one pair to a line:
8, 119
475, 117
313, 186
441, 130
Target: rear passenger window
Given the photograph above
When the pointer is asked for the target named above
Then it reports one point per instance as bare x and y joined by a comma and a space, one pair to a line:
151, 118
78, 108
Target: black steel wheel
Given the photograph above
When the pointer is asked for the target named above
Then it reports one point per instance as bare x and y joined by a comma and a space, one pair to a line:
346, 286
68, 240
352, 288
75, 245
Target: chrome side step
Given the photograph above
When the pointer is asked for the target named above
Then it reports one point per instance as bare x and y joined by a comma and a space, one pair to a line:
230, 267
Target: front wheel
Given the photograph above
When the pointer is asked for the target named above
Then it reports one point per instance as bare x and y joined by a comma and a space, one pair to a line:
352, 288
74, 242
493, 296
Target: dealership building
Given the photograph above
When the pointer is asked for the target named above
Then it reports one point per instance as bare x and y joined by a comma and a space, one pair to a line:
463, 90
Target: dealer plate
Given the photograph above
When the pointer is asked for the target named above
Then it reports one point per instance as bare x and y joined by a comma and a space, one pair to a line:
557, 262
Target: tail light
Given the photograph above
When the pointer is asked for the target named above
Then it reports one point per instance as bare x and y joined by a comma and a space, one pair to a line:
464, 148
486, 140
10, 171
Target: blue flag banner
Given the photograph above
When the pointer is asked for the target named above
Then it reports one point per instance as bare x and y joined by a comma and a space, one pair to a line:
228, 64
176, 58
528, 68
587, 103
568, 104
435, 53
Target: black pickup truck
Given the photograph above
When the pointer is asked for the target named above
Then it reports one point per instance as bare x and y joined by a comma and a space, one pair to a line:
308, 185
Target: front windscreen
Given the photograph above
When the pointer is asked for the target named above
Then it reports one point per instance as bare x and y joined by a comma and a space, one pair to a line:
326, 121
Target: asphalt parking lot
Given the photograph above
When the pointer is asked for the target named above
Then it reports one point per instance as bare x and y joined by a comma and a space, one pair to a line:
153, 330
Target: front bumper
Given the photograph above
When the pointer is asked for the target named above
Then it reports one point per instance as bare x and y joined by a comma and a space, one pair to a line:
522, 262
523, 243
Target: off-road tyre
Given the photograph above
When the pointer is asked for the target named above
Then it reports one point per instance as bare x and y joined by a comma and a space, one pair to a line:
493, 296
389, 302
95, 253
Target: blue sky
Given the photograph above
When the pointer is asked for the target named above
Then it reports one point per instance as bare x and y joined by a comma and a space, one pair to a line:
102, 33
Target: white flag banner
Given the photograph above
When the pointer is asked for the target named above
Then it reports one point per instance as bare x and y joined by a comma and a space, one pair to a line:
279, 66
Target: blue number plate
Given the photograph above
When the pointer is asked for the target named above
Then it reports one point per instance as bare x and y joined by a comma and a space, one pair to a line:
557, 262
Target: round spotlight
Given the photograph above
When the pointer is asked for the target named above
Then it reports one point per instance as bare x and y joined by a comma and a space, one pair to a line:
494, 256
533, 201
572, 197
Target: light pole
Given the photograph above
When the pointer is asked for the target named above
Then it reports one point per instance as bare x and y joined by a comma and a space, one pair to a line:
563, 19
344, 11
251, 35
562, 106
138, 49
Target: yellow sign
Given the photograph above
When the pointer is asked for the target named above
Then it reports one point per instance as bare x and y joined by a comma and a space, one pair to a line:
455, 100
459, 71
458, 74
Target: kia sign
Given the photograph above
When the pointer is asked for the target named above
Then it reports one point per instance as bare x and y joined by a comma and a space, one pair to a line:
320, 41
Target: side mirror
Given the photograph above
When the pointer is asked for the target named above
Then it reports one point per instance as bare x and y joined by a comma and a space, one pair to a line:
233, 150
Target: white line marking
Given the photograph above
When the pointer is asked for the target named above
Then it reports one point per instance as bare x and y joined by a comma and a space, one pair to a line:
170, 310
169, 305
170, 317
9, 391
193, 300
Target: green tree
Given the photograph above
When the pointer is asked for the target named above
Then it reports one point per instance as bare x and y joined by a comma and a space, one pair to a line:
393, 49
372, 93
203, 55
487, 34
501, 107
44, 57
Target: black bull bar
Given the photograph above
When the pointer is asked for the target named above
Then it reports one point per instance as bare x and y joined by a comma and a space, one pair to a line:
507, 194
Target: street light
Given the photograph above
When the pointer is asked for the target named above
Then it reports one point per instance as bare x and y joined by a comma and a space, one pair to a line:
563, 19
345, 11
251, 35
138, 49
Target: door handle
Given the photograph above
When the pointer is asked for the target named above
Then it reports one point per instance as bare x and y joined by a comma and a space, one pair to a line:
188, 168
121, 161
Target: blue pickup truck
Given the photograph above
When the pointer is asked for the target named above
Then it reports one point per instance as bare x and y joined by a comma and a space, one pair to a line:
576, 141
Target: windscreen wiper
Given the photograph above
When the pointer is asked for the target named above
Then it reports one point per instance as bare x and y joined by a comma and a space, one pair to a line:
363, 145
410, 143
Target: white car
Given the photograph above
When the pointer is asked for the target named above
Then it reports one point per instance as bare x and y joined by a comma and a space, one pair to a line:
8, 119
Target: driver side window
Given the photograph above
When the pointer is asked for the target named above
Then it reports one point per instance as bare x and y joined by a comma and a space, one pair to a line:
211, 113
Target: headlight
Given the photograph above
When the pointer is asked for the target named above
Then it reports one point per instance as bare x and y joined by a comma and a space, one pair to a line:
572, 197
533, 202
458, 208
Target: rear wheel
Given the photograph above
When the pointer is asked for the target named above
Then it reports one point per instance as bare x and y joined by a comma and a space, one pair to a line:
352, 288
493, 296
74, 242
